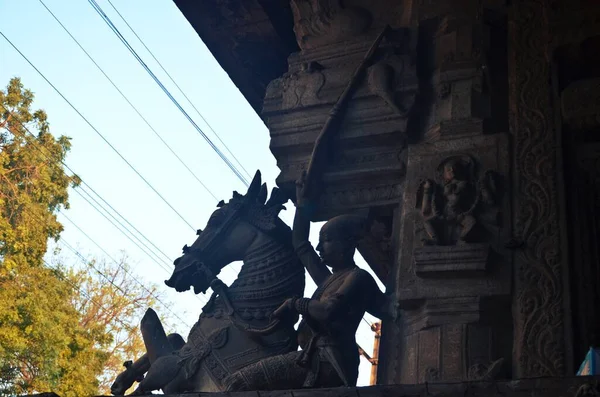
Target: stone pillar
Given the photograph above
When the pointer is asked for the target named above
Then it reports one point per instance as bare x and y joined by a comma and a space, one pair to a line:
453, 273
540, 270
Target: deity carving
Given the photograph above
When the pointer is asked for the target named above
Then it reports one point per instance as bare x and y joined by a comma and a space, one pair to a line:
458, 208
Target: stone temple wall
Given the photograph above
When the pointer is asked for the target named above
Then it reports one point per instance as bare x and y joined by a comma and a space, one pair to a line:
505, 96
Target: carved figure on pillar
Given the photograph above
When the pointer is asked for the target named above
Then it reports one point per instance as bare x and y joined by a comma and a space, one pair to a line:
453, 208
329, 355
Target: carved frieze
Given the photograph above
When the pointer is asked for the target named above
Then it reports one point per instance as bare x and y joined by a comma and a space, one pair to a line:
539, 332
354, 197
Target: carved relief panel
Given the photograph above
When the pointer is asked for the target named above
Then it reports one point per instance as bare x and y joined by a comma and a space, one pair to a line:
455, 217
453, 273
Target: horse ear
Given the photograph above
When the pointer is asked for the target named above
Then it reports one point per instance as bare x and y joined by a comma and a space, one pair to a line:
277, 199
262, 195
254, 187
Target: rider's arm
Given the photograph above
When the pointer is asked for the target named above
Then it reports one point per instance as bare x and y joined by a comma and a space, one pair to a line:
357, 284
305, 251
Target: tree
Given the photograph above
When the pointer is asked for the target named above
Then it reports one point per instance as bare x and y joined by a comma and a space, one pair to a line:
61, 329
34, 185
112, 299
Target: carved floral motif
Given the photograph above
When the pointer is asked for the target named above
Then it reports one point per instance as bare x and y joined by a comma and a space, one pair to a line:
539, 336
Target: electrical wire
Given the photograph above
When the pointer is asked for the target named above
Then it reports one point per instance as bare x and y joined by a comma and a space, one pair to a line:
98, 132
123, 40
203, 301
178, 87
129, 102
81, 189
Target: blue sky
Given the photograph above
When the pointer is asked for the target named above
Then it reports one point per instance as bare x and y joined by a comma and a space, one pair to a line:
177, 46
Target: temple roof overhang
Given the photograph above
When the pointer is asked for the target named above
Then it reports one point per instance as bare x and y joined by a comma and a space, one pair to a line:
251, 40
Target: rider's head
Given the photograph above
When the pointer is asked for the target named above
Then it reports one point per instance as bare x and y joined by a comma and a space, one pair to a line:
338, 240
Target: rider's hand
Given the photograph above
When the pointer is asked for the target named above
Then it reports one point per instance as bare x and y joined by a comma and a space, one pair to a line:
285, 309
302, 191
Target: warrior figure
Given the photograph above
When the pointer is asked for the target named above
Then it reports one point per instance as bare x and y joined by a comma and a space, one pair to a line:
329, 355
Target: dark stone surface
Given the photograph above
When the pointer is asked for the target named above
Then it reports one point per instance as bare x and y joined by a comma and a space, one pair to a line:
547, 387
512, 85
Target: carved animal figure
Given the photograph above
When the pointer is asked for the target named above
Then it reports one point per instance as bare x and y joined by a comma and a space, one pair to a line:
235, 328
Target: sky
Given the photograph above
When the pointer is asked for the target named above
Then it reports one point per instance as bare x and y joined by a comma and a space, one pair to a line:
172, 40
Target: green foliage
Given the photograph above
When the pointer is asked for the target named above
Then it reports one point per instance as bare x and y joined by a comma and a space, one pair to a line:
32, 187
116, 306
61, 330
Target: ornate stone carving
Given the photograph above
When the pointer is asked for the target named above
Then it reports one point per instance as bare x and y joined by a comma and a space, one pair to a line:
321, 22
356, 197
485, 372
381, 83
539, 339
457, 204
302, 88
588, 390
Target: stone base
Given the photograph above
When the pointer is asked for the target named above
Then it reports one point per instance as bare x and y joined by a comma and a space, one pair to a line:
579, 386
461, 260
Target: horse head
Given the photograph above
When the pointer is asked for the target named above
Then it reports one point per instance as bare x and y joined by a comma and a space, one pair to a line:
234, 228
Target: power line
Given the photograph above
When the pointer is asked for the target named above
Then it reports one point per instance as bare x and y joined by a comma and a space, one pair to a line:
129, 102
98, 132
203, 301
80, 189
178, 87
77, 190
36, 145
85, 234
123, 40
78, 254
120, 265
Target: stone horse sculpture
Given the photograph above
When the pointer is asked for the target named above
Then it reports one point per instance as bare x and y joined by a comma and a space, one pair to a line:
235, 327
